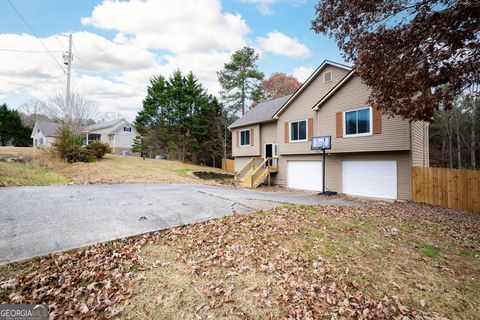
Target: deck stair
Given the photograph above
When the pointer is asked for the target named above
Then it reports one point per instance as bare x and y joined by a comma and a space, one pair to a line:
255, 171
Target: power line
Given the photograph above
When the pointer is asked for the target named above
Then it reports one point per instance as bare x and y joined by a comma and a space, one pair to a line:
79, 58
87, 63
29, 51
35, 34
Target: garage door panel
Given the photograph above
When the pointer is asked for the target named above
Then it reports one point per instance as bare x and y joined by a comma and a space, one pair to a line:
305, 175
376, 178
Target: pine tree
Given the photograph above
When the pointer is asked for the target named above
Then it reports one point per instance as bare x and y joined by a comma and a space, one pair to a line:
12, 130
240, 80
179, 119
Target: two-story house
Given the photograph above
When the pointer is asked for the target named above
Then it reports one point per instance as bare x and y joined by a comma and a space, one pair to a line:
371, 154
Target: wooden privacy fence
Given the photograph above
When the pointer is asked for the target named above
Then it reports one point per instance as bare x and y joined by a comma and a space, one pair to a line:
228, 165
450, 188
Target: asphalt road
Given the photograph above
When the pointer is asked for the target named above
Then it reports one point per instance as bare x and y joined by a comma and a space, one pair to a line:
40, 220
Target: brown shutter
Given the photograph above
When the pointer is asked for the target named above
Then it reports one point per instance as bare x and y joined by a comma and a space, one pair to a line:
238, 138
339, 124
377, 121
286, 133
310, 129
252, 137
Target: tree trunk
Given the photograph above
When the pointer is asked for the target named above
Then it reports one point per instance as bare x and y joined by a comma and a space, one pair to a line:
449, 136
243, 91
459, 145
473, 142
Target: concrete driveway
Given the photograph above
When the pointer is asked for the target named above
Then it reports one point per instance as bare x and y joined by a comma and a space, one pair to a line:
39, 220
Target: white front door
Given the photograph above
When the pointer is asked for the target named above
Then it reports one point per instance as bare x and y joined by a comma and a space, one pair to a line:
305, 175
372, 178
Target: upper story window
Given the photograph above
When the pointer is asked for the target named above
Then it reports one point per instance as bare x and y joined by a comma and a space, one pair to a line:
128, 129
245, 138
298, 130
327, 76
358, 122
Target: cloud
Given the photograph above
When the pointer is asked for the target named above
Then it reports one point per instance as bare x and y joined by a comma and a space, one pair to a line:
281, 44
178, 26
99, 54
302, 73
150, 38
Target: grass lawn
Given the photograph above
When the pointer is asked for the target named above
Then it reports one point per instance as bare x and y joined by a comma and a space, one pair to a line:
378, 260
116, 169
17, 174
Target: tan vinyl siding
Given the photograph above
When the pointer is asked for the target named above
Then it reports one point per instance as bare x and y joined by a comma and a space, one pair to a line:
395, 132
420, 144
301, 109
254, 148
268, 135
333, 169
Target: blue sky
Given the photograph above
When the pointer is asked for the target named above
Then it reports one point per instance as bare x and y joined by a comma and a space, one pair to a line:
120, 45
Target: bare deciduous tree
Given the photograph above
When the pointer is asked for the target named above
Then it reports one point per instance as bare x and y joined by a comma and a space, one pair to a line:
32, 110
77, 113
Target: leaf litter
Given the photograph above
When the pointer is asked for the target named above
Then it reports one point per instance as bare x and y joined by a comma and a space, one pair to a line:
299, 280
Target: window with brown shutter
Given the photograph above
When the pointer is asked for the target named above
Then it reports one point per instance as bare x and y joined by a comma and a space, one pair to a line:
310, 129
286, 132
339, 123
252, 137
377, 121
238, 138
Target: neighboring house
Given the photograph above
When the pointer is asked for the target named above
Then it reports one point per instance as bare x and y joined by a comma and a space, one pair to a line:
372, 155
118, 134
44, 133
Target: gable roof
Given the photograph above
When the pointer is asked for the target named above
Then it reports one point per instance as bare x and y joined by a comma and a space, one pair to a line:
262, 112
333, 90
103, 125
117, 129
48, 128
308, 81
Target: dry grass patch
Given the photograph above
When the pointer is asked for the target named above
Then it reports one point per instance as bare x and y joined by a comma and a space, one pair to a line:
381, 260
119, 169
172, 291
377, 261
18, 174
433, 264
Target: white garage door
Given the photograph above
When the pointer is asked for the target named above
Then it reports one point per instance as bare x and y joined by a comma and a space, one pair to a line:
370, 178
306, 175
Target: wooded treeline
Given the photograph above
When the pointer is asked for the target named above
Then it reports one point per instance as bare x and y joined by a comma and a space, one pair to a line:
455, 133
180, 121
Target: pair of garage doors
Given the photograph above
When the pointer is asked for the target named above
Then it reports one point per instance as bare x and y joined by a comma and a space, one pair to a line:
376, 178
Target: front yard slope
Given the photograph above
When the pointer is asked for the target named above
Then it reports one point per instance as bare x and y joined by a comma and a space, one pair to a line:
19, 174
375, 261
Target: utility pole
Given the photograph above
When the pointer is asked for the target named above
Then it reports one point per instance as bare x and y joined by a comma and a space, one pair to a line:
68, 57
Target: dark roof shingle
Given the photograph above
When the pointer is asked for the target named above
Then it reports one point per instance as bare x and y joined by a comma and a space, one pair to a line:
262, 112
48, 128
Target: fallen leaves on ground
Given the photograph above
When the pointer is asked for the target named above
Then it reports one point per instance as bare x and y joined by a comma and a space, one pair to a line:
92, 282
299, 283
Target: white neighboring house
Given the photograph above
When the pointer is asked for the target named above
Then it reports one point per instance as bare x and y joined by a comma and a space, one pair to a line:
118, 134
44, 133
